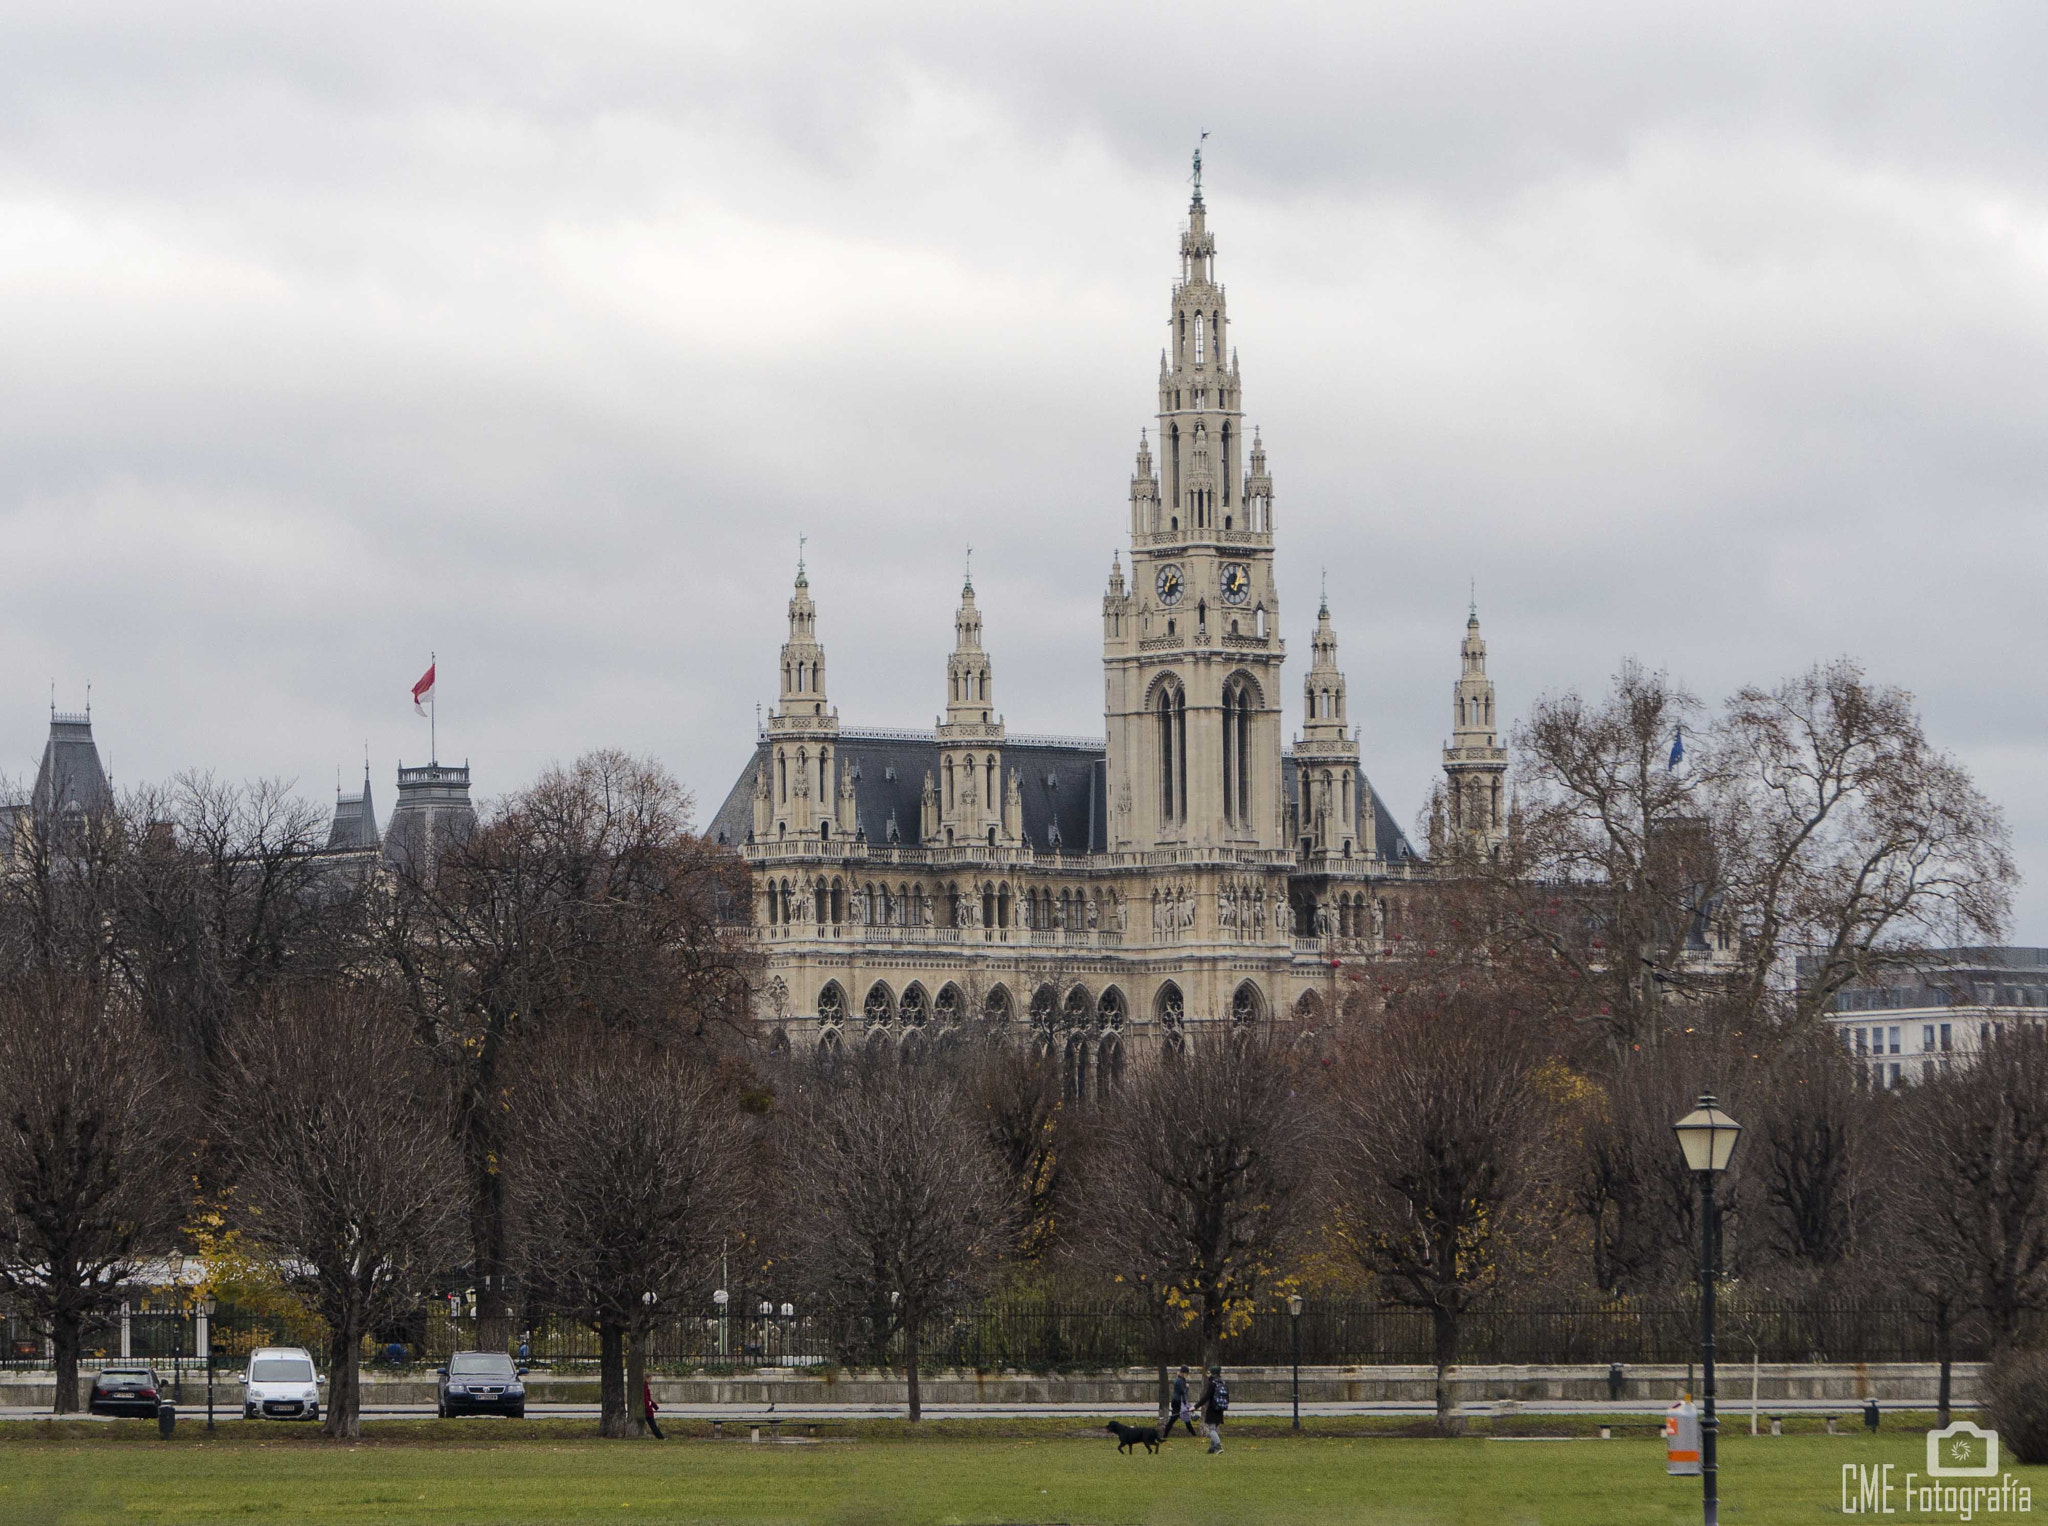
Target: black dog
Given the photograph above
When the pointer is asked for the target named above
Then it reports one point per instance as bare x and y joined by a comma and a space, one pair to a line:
1128, 1436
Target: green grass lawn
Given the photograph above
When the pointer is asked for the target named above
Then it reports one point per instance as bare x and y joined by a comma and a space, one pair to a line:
973, 1471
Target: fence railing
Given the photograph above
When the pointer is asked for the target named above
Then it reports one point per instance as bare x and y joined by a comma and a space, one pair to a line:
1038, 1336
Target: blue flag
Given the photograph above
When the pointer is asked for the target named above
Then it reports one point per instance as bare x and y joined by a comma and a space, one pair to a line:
1677, 750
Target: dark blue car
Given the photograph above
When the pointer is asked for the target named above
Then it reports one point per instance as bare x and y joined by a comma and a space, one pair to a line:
481, 1383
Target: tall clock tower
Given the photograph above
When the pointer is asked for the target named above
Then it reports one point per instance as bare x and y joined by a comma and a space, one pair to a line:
1191, 646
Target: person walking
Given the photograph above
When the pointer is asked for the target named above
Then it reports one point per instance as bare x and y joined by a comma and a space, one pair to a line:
1183, 1413
1214, 1403
649, 1406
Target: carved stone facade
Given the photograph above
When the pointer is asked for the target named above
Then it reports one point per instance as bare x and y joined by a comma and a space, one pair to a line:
1190, 868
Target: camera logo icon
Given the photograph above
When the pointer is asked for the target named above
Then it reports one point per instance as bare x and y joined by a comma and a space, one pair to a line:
1962, 1450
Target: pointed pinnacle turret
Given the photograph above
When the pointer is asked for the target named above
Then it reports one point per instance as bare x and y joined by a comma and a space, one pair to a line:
1475, 764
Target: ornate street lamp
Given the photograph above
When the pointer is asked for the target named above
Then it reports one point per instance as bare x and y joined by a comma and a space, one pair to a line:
1708, 1137
1294, 1314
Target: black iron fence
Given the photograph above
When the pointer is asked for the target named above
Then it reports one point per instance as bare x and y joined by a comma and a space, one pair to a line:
1038, 1336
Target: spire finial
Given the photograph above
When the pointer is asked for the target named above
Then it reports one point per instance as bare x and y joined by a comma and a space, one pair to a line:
1197, 177
800, 540
1474, 617
1326, 592
968, 581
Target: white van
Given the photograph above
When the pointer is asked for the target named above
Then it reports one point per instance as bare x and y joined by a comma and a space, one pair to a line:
280, 1384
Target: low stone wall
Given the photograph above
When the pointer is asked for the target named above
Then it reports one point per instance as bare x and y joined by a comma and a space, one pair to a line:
1891, 1384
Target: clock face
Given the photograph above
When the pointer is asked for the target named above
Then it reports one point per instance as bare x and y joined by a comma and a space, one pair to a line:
1170, 585
1237, 582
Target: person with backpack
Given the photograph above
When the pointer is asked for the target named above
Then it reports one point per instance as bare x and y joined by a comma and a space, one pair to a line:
1214, 1403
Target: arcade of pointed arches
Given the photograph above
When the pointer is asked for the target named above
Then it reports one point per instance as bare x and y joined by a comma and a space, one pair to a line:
1085, 1028
792, 905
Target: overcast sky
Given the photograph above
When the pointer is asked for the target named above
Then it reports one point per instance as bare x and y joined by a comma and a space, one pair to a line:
1713, 335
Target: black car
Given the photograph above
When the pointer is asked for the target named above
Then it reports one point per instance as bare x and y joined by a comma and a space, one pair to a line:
125, 1388
481, 1383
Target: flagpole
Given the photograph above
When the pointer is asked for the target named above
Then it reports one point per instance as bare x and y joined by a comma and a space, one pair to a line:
434, 709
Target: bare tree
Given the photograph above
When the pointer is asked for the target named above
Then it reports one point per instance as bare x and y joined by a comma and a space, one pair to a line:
95, 1157
1812, 835
1607, 868
1194, 1186
1015, 1090
632, 1167
225, 893
584, 898
1438, 1152
346, 1180
1846, 838
899, 1210
60, 875
1809, 1155
1972, 1147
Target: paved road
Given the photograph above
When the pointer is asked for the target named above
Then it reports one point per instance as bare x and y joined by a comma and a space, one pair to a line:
1733, 1410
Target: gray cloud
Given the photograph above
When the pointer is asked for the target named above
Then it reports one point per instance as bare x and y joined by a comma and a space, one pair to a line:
535, 336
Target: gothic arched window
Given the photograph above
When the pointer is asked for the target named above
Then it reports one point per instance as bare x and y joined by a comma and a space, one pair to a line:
1200, 329
1166, 756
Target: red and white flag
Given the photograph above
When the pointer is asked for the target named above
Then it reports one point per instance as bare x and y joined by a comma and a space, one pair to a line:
423, 690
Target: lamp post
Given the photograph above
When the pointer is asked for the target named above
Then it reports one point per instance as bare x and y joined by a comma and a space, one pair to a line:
721, 1298
1294, 1314
206, 1341
647, 1301
1708, 1137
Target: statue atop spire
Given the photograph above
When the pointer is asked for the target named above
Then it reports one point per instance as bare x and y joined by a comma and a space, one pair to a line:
1197, 176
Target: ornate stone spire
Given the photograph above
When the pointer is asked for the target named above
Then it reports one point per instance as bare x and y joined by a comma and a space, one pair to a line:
1334, 800
1475, 764
969, 789
803, 732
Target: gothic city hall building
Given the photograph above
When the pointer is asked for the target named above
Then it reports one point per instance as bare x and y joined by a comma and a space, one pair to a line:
1195, 866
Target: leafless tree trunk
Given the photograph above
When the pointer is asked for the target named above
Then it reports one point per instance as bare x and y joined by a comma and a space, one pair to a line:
632, 1167
583, 898
1438, 1149
346, 1181
897, 1207
1809, 1156
1013, 1086
1194, 1181
95, 1156
1972, 1153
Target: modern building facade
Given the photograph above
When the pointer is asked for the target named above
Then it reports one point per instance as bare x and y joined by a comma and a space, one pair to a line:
1942, 1012
1190, 866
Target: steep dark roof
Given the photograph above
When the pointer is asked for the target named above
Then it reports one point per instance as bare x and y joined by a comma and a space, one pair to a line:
1060, 781
1063, 781
355, 821
1393, 842
70, 781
